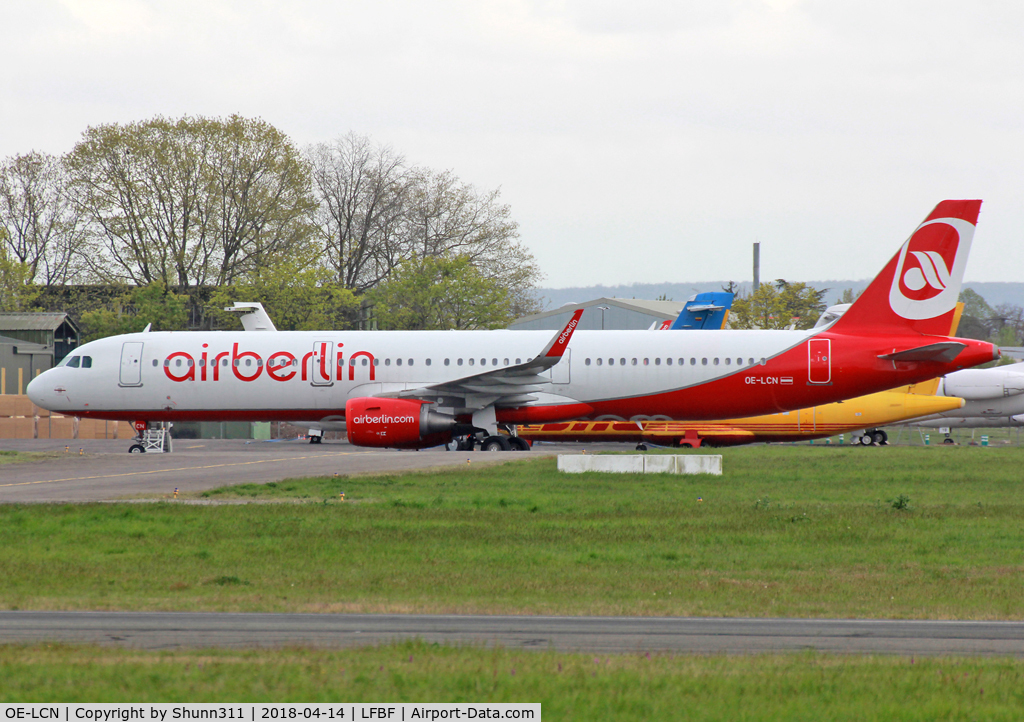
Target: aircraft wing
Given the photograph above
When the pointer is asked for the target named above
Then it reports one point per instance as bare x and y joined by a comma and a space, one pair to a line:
506, 385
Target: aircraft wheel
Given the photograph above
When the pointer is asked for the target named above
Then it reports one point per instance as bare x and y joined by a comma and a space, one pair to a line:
885, 436
519, 444
495, 443
453, 445
878, 437
136, 449
867, 440
948, 440
641, 447
685, 445
466, 444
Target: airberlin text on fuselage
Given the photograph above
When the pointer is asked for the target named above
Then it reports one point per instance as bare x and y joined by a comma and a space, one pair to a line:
249, 365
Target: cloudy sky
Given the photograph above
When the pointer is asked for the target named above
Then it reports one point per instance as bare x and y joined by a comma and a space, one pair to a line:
640, 141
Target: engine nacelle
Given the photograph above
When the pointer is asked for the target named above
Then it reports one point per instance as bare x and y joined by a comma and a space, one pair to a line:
396, 423
982, 384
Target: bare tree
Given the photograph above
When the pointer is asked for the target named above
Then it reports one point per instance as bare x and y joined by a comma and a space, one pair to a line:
362, 191
449, 218
377, 213
43, 229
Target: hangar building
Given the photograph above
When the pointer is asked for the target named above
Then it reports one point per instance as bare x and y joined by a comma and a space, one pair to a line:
619, 314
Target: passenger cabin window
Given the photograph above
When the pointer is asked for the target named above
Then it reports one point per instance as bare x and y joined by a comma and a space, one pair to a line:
587, 362
155, 362
518, 361
600, 361
459, 362
398, 362
447, 362
387, 362
428, 362
704, 361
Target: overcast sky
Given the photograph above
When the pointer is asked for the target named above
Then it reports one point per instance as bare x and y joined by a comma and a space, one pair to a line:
640, 141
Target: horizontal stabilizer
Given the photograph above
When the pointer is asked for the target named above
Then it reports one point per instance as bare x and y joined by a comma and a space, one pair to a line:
945, 351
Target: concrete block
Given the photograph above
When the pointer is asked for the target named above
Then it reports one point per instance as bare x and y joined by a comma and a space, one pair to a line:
698, 464
641, 464
580, 463
659, 464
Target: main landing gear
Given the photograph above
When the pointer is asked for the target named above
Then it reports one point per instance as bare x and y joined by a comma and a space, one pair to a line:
871, 437
497, 442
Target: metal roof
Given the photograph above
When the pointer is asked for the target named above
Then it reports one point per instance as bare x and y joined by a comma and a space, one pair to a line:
42, 321
660, 309
39, 348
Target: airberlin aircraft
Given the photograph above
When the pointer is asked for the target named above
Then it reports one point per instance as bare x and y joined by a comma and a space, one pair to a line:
414, 389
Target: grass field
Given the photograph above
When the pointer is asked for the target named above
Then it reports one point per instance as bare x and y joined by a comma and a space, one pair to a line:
569, 686
787, 531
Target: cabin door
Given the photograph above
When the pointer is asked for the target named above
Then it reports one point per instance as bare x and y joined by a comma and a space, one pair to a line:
131, 363
323, 364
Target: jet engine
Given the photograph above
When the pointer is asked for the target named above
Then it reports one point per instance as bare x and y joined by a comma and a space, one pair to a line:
396, 423
980, 384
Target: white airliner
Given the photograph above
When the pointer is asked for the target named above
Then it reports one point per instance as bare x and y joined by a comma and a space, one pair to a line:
413, 389
994, 397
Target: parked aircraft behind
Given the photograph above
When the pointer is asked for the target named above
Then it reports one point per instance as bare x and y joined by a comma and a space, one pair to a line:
413, 389
994, 397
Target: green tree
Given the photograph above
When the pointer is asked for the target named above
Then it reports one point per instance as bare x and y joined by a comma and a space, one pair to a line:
16, 290
848, 296
296, 294
441, 293
977, 320
777, 307
130, 313
190, 202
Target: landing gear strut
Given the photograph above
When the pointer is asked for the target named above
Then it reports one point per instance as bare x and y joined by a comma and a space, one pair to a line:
154, 440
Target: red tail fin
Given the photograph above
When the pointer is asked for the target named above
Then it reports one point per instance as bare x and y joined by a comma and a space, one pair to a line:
918, 289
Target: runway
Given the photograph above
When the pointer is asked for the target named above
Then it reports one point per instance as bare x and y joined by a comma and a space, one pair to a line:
105, 471
168, 630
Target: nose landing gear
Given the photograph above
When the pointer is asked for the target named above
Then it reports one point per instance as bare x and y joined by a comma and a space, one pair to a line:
154, 440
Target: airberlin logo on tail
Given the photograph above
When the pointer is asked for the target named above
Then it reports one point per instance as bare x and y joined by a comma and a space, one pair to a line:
930, 267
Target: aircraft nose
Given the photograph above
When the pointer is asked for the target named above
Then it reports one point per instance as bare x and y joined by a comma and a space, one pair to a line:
35, 389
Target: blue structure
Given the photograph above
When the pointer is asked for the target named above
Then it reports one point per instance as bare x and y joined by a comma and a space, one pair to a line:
707, 310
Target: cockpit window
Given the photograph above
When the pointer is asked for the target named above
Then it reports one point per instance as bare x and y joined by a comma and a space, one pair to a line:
87, 362
74, 362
